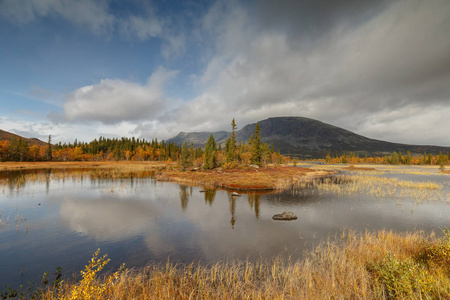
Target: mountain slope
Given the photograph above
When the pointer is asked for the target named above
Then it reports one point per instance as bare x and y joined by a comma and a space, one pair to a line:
298, 136
199, 139
5, 135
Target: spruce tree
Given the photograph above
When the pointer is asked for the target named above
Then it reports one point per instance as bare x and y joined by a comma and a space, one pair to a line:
185, 156
230, 145
49, 148
256, 147
210, 161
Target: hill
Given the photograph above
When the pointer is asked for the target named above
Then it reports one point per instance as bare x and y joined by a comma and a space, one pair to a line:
304, 137
5, 135
199, 139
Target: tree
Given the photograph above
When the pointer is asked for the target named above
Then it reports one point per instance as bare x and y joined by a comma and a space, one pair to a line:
210, 161
185, 157
256, 146
49, 148
230, 145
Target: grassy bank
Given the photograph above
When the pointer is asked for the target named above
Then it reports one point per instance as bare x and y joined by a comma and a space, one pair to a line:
356, 266
246, 179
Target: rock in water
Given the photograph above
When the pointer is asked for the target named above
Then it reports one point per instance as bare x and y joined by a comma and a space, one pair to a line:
286, 215
234, 194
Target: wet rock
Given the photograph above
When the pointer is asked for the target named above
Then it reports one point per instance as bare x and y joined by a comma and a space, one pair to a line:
234, 194
286, 215
202, 191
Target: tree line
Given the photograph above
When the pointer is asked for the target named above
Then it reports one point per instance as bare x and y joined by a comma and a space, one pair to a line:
230, 155
395, 158
102, 149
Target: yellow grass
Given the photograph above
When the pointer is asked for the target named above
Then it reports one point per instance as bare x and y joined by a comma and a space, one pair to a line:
356, 266
381, 187
81, 164
274, 178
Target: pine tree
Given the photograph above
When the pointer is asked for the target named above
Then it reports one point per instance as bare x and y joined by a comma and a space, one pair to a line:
49, 148
185, 157
256, 146
230, 145
210, 161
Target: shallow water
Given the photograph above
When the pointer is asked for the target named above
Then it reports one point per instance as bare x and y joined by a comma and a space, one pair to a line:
52, 220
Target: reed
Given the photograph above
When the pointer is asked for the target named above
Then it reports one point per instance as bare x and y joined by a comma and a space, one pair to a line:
367, 265
381, 187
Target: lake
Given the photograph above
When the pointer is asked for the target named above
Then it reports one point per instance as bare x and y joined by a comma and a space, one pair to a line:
51, 218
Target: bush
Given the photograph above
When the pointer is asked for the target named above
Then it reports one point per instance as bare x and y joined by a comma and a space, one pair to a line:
402, 278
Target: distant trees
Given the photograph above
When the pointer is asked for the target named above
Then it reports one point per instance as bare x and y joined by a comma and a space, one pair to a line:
395, 158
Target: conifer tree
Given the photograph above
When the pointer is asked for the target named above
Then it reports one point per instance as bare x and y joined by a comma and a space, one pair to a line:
210, 161
49, 148
256, 147
185, 157
230, 145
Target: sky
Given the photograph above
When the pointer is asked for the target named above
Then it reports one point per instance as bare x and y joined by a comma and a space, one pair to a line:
150, 69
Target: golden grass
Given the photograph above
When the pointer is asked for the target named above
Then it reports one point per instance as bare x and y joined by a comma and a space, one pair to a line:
382, 187
80, 164
356, 266
250, 179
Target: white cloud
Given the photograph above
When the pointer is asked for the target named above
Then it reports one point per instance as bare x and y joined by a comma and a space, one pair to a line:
114, 100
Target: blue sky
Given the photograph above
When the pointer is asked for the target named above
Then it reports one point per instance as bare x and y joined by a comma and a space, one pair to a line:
81, 69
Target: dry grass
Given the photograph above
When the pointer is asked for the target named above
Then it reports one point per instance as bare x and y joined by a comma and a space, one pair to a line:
250, 179
80, 164
353, 168
357, 266
382, 187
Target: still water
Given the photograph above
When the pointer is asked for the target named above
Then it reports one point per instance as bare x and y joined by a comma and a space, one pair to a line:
50, 220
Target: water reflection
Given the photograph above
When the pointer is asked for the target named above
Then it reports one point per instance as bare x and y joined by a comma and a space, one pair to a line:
232, 201
209, 196
140, 220
184, 196
253, 201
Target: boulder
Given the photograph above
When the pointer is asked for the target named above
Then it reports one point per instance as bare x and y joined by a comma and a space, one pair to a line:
234, 194
286, 215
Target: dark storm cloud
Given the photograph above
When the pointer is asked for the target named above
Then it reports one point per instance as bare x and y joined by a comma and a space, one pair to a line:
310, 19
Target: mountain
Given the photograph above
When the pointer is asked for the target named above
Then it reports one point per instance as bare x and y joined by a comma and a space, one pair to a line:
5, 135
304, 137
199, 139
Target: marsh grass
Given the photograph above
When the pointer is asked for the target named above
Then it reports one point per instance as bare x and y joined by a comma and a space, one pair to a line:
367, 265
249, 179
380, 187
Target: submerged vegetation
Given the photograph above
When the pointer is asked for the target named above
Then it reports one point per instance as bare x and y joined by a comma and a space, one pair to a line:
375, 265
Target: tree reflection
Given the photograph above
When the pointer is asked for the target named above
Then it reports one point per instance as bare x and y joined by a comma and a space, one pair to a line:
253, 201
209, 196
184, 197
232, 202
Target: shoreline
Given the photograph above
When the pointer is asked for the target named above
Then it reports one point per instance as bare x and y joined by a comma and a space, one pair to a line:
267, 179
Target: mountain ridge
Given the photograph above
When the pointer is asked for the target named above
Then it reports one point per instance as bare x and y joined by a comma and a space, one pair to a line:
305, 137
7, 136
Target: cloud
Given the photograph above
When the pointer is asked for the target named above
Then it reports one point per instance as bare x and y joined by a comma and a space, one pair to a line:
92, 14
114, 100
393, 57
368, 66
